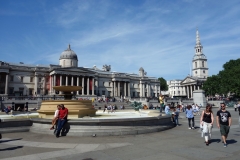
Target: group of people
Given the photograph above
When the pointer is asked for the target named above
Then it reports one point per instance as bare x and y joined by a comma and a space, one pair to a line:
111, 108
59, 119
223, 119
237, 107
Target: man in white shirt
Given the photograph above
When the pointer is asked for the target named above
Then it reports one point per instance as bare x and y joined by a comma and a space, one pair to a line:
55, 118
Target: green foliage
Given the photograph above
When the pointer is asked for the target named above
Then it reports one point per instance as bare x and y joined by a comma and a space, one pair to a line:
136, 105
163, 84
227, 80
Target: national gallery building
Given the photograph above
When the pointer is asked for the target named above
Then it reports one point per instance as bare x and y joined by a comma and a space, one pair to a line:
23, 79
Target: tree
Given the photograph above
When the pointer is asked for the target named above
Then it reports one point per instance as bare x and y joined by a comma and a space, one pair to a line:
163, 84
226, 81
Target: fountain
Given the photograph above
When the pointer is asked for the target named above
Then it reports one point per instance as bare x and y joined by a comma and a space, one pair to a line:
84, 120
76, 108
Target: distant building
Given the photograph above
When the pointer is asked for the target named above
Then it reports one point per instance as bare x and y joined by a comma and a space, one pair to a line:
24, 79
185, 87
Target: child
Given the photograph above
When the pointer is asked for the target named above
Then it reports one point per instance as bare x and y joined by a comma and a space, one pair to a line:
55, 118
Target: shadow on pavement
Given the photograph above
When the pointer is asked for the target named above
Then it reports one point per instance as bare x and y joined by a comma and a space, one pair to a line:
9, 140
11, 148
231, 141
215, 140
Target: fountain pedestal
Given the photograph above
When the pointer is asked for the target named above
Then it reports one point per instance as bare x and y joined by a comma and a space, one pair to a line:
76, 108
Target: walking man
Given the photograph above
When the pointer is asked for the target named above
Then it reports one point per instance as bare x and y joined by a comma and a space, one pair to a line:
224, 118
63, 113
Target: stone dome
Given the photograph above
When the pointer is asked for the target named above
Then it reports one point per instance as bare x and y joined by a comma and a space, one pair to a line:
68, 54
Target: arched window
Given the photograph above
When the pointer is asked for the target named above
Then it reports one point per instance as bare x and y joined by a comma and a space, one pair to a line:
63, 62
71, 63
202, 63
195, 64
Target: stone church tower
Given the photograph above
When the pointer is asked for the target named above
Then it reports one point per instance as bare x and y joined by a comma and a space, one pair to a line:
199, 62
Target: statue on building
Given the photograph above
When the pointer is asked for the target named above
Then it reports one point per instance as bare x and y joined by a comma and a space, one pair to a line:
106, 67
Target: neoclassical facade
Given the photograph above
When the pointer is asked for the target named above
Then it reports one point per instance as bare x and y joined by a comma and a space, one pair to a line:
23, 79
185, 87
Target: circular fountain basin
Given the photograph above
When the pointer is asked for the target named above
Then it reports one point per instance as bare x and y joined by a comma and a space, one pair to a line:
108, 124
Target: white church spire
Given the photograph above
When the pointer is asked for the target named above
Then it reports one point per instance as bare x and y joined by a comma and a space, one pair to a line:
198, 43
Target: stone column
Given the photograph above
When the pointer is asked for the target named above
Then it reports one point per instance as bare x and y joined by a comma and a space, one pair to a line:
191, 91
143, 88
156, 89
93, 85
147, 90
50, 81
119, 88
6, 84
114, 88
125, 89
44, 85
198, 87
54, 82
140, 89
60, 80
187, 92
66, 80
129, 93
35, 84
88, 86
82, 85
72, 81
77, 84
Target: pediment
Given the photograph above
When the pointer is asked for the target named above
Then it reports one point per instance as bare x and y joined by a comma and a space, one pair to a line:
188, 80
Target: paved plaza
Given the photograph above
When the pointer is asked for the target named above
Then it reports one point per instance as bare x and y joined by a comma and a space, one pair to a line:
176, 143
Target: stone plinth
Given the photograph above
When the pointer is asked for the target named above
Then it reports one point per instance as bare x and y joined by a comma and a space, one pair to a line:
199, 97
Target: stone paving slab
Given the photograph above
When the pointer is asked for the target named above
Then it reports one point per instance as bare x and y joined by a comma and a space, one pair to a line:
177, 143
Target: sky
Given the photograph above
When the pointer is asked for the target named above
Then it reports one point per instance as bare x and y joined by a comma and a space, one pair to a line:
158, 35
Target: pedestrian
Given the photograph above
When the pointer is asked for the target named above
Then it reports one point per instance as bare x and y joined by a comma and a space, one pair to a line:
235, 107
161, 101
239, 108
206, 121
63, 113
55, 118
190, 117
176, 114
167, 109
225, 120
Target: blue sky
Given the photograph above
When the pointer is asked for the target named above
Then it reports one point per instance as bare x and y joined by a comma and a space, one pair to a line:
127, 34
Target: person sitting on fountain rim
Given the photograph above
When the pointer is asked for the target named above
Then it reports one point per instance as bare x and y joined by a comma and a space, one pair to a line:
63, 113
55, 118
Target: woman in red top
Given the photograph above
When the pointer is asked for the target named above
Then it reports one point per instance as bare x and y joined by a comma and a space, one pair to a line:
63, 113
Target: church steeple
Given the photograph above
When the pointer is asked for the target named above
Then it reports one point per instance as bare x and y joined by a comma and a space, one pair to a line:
199, 62
198, 46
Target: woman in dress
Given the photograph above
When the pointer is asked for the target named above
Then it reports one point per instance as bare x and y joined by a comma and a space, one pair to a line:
206, 121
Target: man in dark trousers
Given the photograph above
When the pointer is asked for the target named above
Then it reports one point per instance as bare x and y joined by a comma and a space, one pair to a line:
63, 113
225, 120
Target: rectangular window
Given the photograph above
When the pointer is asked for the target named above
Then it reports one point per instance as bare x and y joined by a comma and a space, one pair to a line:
21, 78
11, 90
39, 79
31, 79
202, 63
11, 78
103, 92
